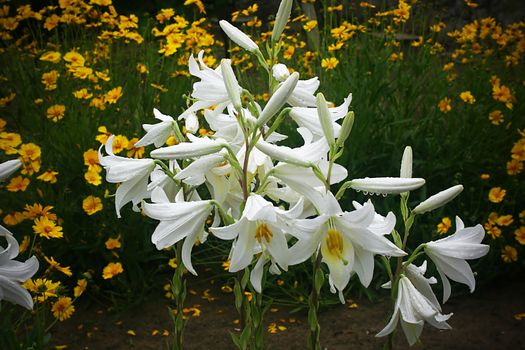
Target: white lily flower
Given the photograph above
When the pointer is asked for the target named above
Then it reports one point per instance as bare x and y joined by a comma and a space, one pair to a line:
386, 185
199, 146
13, 272
258, 230
210, 90
346, 241
180, 220
449, 255
131, 173
438, 200
158, 133
9, 167
238, 37
194, 174
283, 153
309, 117
413, 309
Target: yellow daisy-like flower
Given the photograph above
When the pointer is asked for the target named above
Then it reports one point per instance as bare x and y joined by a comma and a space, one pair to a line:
82, 94
445, 105
80, 287
496, 194
49, 79
120, 143
509, 254
56, 112
444, 225
24, 244
43, 288
66, 270
93, 177
91, 160
111, 270
18, 183
104, 134
74, 58
467, 97
51, 56
496, 117
29, 152
519, 234
113, 243
329, 63
63, 308
48, 176
514, 167
47, 228
92, 205
310, 25
113, 95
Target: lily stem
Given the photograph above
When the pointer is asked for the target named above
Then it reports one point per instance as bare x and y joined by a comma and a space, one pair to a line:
315, 329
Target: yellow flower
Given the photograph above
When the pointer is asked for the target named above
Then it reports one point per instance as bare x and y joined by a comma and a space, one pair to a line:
13, 219
91, 160
4, 101
288, 52
329, 63
496, 194
32, 211
172, 263
501, 93
49, 79
66, 270
92, 204
81, 72
496, 117
47, 228
56, 112
51, 22
113, 243
9, 140
74, 58
504, 220
467, 97
80, 287
51, 56
120, 143
509, 254
82, 94
113, 95
24, 244
445, 105
29, 152
444, 225
43, 288
104, 134
92, 177
519, 234
100, 2
518, 150
514, 167
471, 4
18, 183
134, 152
142, 69
63, 308
310, 25
197, 3
48, 176
111, 270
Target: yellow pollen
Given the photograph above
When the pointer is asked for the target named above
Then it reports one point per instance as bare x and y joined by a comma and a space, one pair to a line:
263, 231
334, 242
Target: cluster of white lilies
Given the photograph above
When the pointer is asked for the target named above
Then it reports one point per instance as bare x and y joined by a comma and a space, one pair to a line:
275, 202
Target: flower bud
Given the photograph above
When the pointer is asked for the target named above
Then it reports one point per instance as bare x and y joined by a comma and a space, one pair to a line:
9, 167
283, 14
406, 163
386, 185
230, 81
278, 99
185, 150
346, 128
238, 37
192, 123
281, 153
438, 200
280, 72
325, 119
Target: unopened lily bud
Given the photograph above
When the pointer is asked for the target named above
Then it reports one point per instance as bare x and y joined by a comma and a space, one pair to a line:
200, 146
238, 37
406, 163
278, 99
9, 167
230, 81
283, 14
346, 128
438, 200
280, 72
281, 153
386, 185
325, 118
192, 123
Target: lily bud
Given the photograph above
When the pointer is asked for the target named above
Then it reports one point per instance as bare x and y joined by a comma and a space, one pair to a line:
346, 128
238, 37
325, 118
438, 200
280, 72
192, 123
230, 81
283, 14
281, 153
278, 99
406, 163
386, 185
200, 146
9, 167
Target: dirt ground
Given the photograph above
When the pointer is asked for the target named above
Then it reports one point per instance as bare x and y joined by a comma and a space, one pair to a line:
484, 320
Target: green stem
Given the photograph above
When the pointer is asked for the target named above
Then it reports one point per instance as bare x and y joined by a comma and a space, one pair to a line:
314, 342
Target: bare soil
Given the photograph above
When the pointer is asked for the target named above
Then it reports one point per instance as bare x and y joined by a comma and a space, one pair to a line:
483, 320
